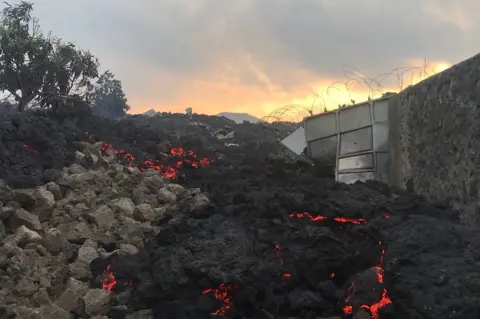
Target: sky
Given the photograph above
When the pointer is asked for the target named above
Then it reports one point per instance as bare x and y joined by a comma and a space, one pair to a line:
264, 57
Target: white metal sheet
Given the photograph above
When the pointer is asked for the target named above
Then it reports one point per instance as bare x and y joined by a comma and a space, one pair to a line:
383, 162
359, 162
380, 110
320, 126
380, 136
324, 150
356, 141
349, 178
354, 117
295, 141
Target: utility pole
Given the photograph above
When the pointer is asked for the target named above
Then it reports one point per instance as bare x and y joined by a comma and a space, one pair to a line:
425, 68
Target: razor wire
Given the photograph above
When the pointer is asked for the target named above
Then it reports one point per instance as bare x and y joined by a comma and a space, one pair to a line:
354, 81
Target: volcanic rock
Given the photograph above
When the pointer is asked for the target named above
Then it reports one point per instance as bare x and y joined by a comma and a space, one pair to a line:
144, 213
6, 194
103, 217
24, 236
154, 183
190, 227
70, 299
55, 190
46, 312
44, 202
178, 190
142, 314
128, 249
53, 241
123, 206
25, 197
165, 196
23, 218
96, 302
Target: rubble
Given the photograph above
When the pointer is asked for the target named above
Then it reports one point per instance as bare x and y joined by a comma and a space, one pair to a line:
57, 230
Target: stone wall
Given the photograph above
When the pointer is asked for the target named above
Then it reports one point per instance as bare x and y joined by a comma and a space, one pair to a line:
435, 138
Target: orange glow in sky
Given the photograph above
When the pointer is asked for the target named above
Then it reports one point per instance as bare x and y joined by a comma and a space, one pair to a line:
211, 96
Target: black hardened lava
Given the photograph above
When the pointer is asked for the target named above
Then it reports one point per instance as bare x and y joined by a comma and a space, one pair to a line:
278, 241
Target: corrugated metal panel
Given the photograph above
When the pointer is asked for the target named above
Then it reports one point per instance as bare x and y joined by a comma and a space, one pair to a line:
380, 110
382, 166
359, 162
320, 126
356, 141
324, 149
380, 138
296, 141
353, 177
355, 117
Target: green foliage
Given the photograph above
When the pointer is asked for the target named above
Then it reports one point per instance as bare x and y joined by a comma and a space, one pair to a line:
38, 67
70, 71
108, 99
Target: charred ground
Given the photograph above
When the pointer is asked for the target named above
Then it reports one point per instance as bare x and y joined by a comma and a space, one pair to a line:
275, 239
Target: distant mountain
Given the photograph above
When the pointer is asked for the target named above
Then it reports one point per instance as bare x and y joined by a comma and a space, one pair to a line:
151, 113
239, 117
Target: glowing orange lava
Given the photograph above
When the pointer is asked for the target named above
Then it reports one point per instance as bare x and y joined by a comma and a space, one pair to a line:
382, 302
384, 299
108, 282
280, 260
222, 293
321, 218
167, 171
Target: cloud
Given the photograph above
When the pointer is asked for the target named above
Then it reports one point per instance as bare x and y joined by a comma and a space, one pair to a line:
255, 56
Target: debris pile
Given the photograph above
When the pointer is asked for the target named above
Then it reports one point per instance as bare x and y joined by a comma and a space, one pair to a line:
97, 209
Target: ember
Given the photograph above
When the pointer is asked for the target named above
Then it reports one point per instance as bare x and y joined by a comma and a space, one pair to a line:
280, 260
383, 301
168, 171
109, 282
222, 293
321, 218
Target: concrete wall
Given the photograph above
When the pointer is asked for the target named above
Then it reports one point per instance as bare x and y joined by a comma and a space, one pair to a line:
434, 138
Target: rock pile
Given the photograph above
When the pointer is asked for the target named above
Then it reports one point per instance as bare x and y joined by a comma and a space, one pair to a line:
36, 145
50, 235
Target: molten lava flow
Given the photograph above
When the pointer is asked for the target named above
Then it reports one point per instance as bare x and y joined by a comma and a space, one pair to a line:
320, 218
108, 282
222, 293
287, 276
384, 299
168, 171
280, 260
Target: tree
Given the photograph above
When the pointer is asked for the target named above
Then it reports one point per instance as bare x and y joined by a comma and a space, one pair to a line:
108, 99
70, 74
24, 54
38, 67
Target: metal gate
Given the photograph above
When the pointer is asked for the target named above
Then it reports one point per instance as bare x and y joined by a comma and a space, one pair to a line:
353, 140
